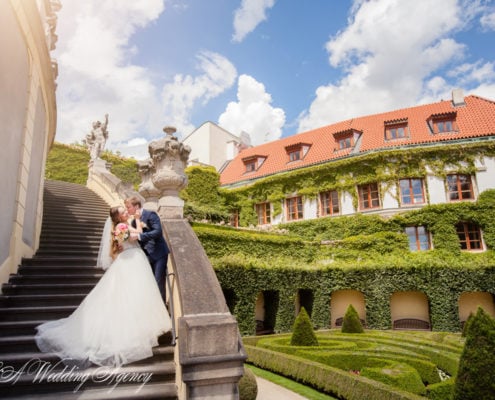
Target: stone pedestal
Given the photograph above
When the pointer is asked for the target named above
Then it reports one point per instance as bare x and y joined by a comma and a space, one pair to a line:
169, 159
99, 165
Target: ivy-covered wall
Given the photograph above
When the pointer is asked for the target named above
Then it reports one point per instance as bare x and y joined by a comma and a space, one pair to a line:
366, 253
202, 198
386, 167
442, 284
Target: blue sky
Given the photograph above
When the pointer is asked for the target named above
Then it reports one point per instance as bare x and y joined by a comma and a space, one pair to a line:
271, 68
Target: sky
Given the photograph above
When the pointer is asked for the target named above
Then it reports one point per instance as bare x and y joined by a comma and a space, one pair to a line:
271, 68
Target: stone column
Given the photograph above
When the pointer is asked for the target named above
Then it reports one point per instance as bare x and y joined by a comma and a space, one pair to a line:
169, 159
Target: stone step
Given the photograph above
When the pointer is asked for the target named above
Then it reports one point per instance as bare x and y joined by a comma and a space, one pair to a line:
46, 288
18, 350
12, 328
40, 300
31, 313
57, 278
44, 380
59, 260
57, 270
163, 391
68, 251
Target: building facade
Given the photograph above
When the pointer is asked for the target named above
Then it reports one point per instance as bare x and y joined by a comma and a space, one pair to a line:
440, 155
28, 122
212, 145
379, 164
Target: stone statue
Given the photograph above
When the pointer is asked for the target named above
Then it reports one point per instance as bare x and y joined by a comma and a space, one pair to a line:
97, 138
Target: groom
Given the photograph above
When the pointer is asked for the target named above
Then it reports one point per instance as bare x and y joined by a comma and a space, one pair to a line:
151, 240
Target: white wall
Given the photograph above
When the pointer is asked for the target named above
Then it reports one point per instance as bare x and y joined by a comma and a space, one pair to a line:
436, 189
389, 201
346, 206
310, 208
211, 145
485, 176
199, 141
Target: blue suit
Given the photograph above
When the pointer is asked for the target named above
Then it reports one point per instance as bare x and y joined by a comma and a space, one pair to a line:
155, 247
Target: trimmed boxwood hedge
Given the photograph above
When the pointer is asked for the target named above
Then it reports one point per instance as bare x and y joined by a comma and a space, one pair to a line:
404, 361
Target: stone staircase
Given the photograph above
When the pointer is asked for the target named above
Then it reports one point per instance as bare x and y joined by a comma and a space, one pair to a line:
50, 286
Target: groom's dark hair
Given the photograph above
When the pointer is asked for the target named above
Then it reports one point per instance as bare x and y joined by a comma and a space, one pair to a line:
134, 200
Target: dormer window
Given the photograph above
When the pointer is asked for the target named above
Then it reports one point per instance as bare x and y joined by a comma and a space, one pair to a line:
297, 151
251, 166
253, 163
295, 155
346, 139
396, 129
443, 123
345, 142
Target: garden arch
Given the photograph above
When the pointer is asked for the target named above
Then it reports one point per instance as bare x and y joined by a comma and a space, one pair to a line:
410, 310
340, 301
470, 301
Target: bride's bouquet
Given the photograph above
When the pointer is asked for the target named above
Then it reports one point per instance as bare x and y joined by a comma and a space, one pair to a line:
121, 233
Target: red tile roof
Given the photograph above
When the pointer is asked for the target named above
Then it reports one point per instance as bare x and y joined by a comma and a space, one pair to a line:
474, 119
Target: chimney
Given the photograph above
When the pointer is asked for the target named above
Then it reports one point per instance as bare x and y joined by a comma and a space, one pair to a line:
458, 98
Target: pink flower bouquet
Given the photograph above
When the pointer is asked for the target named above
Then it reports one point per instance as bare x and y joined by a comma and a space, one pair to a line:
121, 233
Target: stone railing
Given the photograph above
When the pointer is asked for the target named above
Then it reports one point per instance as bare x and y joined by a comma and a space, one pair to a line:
209, 353
107, 185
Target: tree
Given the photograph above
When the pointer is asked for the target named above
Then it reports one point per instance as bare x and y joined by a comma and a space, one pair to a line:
302, 332
351, 322
474, 379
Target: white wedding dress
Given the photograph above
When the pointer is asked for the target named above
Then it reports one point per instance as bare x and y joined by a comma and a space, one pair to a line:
118, 322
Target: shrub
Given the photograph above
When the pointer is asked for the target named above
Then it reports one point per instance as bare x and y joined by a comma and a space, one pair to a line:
399, 375
303, 333
475, 376
248, 388
351, 322
440, 391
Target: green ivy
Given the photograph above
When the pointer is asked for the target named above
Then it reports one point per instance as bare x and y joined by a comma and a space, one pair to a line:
202, 197
385, 167
69, 163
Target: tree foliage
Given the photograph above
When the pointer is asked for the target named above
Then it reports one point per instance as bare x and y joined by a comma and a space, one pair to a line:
474, 379
303, 333
351, 322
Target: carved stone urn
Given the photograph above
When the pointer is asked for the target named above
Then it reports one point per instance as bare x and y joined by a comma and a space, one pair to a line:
169, 158
147, 189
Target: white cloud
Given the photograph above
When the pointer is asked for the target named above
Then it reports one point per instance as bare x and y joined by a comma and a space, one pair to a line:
391, 53
488, 21
95, 74
253, 113
248, 16
217, 75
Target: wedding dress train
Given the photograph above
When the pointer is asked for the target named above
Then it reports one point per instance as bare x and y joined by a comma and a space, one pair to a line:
117, 323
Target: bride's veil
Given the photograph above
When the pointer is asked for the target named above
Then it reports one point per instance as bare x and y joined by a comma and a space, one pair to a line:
104, 258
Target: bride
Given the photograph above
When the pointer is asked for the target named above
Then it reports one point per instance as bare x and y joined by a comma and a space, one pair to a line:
121, 319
